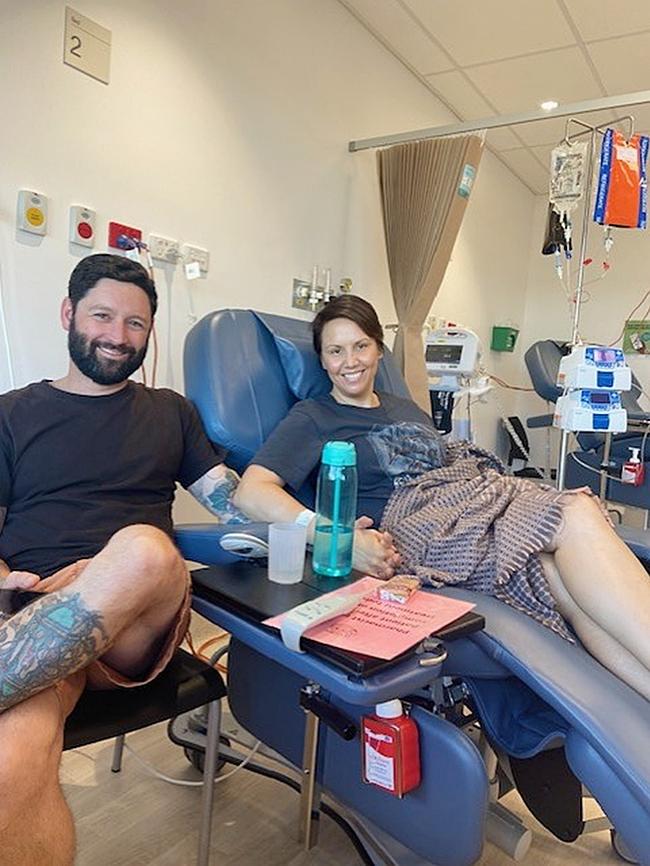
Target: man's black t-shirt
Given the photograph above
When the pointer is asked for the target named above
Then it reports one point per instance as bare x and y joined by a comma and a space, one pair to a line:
395, 441
74, 469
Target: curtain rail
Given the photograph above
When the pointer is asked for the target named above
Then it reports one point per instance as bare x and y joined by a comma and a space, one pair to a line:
601, 104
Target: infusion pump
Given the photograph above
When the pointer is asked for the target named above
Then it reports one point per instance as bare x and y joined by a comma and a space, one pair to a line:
587, 409
451, 354
593, 377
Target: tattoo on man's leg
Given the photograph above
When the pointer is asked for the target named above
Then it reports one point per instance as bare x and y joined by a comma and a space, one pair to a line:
45, 642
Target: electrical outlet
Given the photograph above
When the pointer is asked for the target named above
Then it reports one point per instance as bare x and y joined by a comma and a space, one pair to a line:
300, 294
190, 254
164, 249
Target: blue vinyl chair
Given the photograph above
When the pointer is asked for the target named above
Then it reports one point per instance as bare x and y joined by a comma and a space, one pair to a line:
561, 720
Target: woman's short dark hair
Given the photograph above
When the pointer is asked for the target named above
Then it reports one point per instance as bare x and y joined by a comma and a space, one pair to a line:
350, 307
94, 268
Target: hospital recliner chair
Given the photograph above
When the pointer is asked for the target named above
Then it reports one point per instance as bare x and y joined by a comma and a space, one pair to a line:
555, 718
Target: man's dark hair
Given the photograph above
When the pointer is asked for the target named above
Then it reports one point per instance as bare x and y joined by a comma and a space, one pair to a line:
92, 269
350, 307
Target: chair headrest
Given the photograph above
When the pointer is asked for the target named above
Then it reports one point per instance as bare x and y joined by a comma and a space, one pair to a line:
543, 362
244, 370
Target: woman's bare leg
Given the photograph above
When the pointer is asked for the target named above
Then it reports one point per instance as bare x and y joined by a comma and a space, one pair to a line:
604, 580
598, 642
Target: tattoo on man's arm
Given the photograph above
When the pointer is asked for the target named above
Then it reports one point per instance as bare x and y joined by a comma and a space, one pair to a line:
216, 495
46, 642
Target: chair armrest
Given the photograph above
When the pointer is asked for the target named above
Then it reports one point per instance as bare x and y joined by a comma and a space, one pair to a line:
199, 542
539, 421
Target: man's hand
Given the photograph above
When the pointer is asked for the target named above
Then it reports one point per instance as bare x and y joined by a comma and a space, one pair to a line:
20, 580
374, 552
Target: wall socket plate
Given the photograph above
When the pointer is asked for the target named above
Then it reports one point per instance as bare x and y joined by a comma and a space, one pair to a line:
300, 295
301, 292
190, 253
164, 249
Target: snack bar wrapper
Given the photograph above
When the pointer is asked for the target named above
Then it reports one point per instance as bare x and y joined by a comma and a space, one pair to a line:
621, 197
399, 588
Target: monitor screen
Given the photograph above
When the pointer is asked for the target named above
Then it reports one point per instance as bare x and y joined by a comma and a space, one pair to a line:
599, 397
443, 353
605, 356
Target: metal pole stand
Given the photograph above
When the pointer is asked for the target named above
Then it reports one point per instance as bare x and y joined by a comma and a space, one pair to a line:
310, 792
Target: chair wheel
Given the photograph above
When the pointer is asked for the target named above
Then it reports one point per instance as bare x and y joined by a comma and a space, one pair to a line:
618, 844
196, 757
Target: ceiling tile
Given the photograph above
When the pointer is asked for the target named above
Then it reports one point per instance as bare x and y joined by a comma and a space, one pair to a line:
503, 138
399, 29
524, 164
641, 114
553, 130
623, 63
493, 29
523, 83
598, 19
459, 92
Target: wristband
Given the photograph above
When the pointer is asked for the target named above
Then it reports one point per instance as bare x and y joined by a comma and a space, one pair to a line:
305, 517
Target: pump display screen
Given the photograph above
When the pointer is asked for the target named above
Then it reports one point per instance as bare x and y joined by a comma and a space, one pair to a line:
443, 353
599, 398
604, 356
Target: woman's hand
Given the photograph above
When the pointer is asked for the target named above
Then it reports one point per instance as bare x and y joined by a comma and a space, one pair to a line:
374, 552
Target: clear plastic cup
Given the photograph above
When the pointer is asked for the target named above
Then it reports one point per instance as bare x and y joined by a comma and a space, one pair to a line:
287, 543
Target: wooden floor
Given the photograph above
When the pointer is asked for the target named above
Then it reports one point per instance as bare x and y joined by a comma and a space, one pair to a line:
133, 819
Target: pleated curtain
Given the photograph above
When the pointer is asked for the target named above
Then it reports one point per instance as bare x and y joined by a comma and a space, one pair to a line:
424, 192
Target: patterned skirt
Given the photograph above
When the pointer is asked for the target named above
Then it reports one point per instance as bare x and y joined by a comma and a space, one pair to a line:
468, 523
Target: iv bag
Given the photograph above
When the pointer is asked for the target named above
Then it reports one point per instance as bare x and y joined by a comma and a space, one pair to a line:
567, 181
621, 197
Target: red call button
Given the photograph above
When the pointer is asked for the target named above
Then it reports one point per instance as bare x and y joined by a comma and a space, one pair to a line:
85, 230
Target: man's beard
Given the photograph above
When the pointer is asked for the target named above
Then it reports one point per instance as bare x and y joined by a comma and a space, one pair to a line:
101, 369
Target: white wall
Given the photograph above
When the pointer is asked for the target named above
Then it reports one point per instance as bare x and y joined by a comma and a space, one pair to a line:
225, 124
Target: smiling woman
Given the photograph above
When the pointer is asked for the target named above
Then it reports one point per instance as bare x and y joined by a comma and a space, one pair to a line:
350, 358
448, 512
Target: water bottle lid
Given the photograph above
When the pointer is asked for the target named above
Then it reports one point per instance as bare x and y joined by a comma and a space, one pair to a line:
339, 454
389, 709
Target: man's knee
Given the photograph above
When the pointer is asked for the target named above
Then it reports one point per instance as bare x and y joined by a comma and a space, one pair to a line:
149, 552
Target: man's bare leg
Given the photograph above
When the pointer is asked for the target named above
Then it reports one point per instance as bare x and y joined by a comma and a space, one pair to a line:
36, 826
120, 607
124, 601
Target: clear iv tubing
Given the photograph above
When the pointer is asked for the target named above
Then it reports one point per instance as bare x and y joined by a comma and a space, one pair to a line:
5, 334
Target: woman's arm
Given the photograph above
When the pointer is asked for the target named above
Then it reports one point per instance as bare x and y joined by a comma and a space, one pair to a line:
261, 495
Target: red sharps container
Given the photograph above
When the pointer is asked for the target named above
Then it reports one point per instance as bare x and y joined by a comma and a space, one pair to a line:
391, 749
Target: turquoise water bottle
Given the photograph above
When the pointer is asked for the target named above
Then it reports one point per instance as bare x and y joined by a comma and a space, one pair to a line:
336, 510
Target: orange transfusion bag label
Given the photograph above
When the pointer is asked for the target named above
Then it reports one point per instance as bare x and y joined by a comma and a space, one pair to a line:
621, 199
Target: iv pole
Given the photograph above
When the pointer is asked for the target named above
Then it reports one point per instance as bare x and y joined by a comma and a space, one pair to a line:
592, 132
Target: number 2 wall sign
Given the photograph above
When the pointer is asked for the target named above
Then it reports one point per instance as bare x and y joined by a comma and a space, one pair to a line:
87, 45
